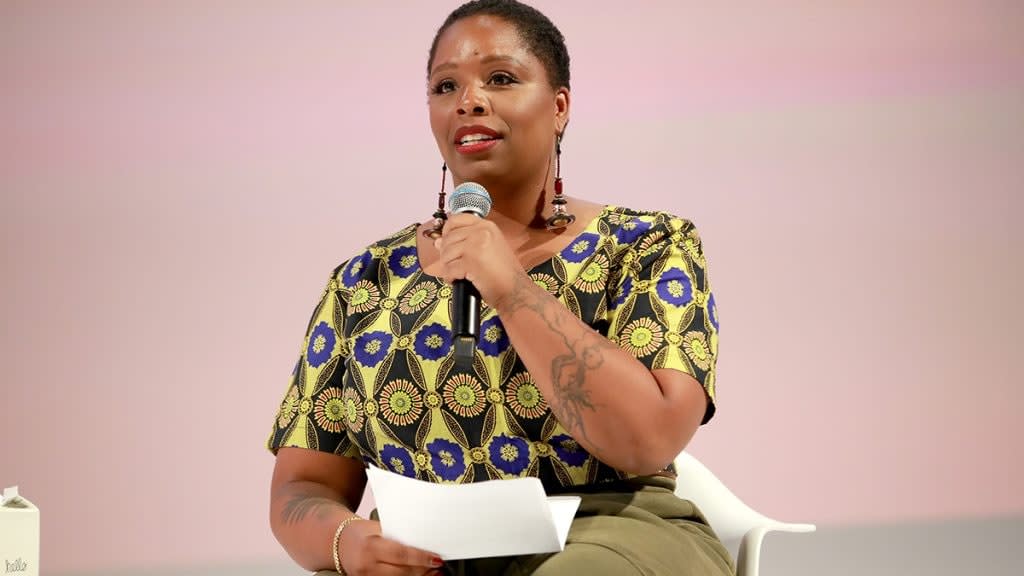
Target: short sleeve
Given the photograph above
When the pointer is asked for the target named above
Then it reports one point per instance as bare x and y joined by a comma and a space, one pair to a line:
313, 412
661, 307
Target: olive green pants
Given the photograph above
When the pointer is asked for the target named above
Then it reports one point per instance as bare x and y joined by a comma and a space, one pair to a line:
641, 527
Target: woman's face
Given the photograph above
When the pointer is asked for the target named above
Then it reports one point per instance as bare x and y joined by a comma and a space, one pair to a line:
492, 110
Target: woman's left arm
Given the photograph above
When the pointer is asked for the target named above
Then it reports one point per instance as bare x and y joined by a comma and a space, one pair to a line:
628, 416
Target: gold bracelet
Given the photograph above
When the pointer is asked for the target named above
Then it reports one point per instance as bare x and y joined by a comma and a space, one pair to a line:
337, 539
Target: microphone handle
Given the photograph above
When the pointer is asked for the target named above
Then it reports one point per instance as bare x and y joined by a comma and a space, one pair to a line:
465, 320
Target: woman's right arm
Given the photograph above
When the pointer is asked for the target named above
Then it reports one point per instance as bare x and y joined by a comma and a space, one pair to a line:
311, 494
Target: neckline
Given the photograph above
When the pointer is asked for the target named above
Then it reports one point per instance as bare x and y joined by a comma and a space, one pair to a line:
591, 228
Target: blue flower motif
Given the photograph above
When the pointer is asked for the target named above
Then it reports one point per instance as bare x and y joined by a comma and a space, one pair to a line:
675, 288
372, 347
510, 455
628, 232
493, 338
624, 292
583, 246
433, 341
447, 458
398, 460
321, 344
569, 451
403, 261
713, 311
354, 271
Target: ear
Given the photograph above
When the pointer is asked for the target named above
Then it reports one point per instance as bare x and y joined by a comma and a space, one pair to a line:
562, 101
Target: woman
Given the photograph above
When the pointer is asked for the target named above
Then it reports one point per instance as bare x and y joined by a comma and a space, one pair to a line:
595, 364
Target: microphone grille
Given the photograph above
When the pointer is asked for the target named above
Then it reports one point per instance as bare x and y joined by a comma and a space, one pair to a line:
470, 197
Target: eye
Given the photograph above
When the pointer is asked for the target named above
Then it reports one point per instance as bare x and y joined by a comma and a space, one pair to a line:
443, 87
502, 79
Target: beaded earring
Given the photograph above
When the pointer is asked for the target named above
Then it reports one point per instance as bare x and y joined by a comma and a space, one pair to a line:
434, 232
560, 217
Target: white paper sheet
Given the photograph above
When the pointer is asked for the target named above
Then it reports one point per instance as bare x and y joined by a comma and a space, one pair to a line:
476, 520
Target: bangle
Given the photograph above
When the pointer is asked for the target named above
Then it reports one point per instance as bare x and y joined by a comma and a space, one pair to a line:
337, 539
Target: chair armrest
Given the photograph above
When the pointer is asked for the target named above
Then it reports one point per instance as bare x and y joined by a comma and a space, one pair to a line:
750, 546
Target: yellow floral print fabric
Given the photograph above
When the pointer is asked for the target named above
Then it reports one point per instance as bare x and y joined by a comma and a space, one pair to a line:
376, 378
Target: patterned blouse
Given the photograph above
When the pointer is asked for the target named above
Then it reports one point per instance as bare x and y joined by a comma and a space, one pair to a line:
377, 379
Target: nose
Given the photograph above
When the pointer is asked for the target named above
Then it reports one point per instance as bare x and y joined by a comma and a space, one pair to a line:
473, 102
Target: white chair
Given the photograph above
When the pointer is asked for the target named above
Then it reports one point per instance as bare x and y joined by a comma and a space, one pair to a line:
739, 527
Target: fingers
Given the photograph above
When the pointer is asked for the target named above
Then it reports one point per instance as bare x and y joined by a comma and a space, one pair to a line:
459, 227
453, 247
390, 570
456, 221
401, 556
453, 236
392, 552
475, 249
452, 267
367, 553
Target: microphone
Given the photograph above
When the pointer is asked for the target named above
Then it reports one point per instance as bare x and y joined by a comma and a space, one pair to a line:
467, 198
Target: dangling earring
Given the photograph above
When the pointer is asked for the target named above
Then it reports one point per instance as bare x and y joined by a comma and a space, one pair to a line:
434, 232
560, 217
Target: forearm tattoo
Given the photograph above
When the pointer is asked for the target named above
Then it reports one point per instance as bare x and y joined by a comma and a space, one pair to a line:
299, 506
584, 351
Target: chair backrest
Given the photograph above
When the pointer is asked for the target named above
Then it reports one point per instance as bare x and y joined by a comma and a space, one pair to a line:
729, 516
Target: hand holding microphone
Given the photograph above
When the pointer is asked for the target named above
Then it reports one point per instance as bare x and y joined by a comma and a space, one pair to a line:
476, 260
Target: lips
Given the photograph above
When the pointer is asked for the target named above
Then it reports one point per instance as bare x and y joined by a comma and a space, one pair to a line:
473, 137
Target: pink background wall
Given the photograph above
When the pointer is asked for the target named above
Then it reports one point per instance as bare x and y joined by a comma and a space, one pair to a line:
178, 179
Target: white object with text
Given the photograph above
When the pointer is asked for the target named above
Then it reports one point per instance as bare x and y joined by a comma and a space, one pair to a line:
19, 535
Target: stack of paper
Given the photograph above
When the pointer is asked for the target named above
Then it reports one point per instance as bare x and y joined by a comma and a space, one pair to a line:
476, 520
